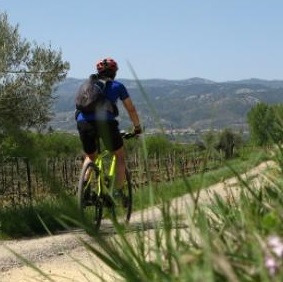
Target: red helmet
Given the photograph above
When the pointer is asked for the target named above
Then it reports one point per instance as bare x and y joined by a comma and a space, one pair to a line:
107, 64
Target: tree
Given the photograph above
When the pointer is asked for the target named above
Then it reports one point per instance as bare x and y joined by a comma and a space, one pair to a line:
28, 74
261, 119
277, 133
228, 142
158, 145
210, 140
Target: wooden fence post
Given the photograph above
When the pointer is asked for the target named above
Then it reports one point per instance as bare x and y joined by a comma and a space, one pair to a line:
29, 186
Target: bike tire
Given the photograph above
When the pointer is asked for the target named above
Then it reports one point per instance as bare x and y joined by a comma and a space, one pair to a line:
90, 203
122, 209
129, 191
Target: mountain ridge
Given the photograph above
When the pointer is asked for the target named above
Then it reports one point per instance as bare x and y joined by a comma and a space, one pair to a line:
194, 103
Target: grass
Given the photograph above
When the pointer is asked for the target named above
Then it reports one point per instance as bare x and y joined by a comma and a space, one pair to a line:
170, 190
37, 219
41, 217
223, 241
28, 220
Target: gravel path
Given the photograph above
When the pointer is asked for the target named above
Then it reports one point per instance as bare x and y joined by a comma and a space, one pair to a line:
57, 255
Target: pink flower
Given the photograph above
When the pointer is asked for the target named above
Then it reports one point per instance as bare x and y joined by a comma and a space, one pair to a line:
273, 254
276, 245
272, 265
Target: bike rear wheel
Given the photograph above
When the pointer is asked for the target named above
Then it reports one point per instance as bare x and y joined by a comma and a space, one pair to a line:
89, 198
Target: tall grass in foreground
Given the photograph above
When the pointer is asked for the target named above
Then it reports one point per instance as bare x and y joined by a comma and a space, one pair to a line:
238, 238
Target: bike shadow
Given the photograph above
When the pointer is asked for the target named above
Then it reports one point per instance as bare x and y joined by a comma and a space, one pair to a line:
108, 228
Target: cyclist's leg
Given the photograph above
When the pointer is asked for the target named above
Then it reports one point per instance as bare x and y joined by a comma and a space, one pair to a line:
110, 134
88, 135
120, 167
122, 189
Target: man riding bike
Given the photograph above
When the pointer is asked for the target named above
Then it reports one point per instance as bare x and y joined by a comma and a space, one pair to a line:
103, 123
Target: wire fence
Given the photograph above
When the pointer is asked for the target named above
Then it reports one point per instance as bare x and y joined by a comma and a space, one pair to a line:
23, 181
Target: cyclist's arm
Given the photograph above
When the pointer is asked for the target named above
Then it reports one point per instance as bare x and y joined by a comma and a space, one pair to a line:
129, 106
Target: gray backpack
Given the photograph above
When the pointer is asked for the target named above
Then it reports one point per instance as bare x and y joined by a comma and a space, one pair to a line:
91, 95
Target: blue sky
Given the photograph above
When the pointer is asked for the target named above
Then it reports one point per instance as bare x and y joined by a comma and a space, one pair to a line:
219, 40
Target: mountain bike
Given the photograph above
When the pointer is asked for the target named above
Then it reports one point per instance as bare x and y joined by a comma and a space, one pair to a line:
96, 188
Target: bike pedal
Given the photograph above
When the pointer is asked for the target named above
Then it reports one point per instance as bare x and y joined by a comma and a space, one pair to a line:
108, 201
119, 195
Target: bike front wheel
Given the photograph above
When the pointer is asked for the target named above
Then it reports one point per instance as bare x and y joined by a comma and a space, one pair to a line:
90, 203
129, 196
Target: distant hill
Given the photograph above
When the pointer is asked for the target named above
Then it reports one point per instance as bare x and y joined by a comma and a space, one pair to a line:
194, 103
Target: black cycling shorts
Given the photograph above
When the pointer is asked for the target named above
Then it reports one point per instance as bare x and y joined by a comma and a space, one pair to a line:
108, 131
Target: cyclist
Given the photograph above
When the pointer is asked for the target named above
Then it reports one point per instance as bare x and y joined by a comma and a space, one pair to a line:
103, 123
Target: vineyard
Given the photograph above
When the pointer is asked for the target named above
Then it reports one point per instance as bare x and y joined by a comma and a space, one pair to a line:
23, 181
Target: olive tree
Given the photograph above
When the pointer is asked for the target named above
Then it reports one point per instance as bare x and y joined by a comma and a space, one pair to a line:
229, 142
28, 75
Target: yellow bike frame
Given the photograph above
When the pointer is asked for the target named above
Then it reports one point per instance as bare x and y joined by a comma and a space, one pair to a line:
111, 172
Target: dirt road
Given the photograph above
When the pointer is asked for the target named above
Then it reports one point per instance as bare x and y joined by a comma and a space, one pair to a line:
58, 256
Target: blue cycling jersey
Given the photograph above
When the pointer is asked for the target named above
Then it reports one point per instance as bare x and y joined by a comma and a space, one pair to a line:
114, 90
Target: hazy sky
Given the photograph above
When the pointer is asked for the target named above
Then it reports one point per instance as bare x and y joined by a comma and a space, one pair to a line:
215, 39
